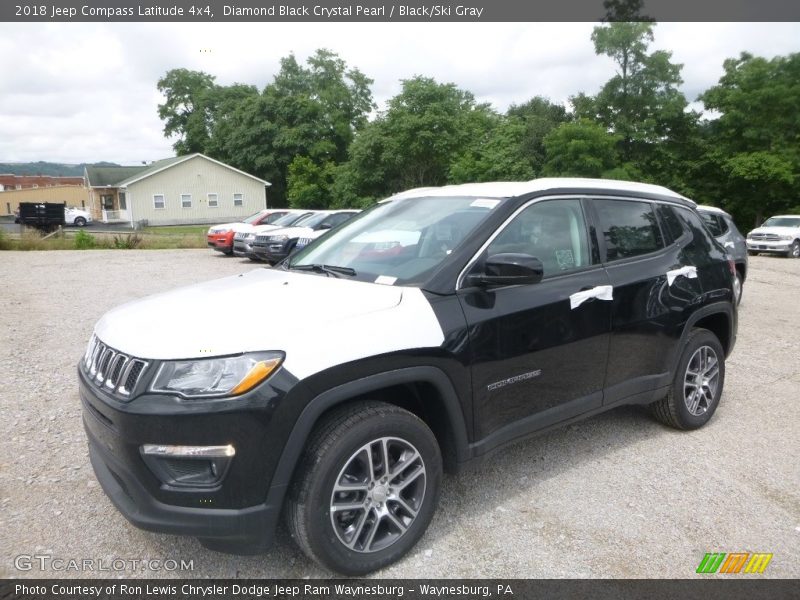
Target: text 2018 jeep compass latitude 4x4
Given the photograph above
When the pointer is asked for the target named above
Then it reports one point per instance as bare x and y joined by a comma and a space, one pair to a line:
446, 323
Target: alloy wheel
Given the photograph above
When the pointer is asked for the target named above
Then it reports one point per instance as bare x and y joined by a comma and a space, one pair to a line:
378, 494
701, 380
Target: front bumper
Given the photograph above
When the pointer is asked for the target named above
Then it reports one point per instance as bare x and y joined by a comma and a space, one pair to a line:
781, 247
272, 253
223, 242
242, 248
236, 514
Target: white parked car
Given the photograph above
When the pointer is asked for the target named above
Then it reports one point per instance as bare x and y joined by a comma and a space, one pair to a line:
777, 235
76, 216
274, 246
243, 238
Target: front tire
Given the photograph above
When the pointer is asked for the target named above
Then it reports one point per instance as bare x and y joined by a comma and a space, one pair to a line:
794, 251
80, 222
366, 488
697, 383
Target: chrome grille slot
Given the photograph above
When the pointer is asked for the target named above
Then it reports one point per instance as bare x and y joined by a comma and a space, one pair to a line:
102, 367
131, 376
112, 370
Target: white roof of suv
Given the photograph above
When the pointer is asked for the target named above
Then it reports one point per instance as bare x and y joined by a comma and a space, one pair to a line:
508, 189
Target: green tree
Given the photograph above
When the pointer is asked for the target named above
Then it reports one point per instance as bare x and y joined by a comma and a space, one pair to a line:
414, 142
311, 111
186, 111
582, 149
755, 142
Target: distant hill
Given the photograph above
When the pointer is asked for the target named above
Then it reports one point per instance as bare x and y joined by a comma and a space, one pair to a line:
48, 168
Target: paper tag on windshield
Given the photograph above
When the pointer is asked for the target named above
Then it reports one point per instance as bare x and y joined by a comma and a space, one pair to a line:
485, 203
385, 280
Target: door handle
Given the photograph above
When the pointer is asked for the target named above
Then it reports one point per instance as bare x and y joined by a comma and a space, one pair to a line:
689, 272
601, 292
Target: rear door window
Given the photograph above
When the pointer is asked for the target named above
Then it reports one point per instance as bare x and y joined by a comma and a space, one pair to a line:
628, 227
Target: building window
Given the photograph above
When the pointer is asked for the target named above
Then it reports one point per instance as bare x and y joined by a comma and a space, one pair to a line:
123, 202
186, 201
158, 201
18, 187
238, 199
107, 202
8, 208
35, 186
213, 200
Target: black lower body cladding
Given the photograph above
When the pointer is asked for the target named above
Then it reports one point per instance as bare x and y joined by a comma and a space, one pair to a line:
236, 508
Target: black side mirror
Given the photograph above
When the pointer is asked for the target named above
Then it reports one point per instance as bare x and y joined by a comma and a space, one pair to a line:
508, 269
322, 226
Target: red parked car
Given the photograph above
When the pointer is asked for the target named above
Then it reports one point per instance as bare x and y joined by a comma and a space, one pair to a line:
220, 237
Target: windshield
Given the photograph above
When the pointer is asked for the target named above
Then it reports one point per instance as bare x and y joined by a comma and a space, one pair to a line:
782, 222
289, 219
252, 218
312, 220
398, 242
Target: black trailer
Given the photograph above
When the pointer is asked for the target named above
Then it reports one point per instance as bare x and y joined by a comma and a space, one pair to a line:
45, 216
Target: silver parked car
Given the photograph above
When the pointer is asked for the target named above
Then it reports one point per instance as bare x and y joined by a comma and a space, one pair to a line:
722, 227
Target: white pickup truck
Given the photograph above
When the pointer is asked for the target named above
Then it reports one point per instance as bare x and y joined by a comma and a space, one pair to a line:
777, 235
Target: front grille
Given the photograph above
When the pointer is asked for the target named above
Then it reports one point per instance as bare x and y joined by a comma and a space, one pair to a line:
261, 240
240, 235
112, 370
767, 237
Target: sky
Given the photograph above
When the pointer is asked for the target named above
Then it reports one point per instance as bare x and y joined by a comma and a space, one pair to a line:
86, 92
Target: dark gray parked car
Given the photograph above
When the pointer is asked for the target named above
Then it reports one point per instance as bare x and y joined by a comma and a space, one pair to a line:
724, 229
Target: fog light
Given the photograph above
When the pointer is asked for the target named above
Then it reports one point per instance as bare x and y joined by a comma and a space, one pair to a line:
190, 467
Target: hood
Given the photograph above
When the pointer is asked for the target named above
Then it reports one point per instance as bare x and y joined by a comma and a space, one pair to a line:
295, 232
317, 321
262, 228
776, 230
229, 227
262, 309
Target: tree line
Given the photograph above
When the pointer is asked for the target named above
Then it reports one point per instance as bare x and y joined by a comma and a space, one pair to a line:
314, 134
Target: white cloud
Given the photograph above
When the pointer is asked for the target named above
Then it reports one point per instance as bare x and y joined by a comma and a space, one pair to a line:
87, 92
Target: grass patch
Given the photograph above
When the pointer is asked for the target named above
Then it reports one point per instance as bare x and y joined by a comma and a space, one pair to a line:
173, 230
81, 240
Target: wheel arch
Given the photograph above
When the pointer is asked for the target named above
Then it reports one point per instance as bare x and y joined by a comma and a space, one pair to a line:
719, 319
423, 390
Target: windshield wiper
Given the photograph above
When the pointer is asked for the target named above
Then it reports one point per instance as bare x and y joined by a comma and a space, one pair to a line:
330, 270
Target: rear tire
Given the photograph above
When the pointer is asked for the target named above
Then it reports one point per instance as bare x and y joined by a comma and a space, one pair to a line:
738, 288
697, 383
366, 488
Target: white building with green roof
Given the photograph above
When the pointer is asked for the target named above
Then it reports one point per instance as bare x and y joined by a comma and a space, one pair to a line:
174, 191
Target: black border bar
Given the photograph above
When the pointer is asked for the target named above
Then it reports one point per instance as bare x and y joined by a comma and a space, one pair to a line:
436, 11
728, 587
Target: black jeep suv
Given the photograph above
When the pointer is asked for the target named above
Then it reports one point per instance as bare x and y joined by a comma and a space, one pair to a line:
418, 336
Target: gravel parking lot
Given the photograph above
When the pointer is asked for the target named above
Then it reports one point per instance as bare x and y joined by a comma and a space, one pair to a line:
615, 496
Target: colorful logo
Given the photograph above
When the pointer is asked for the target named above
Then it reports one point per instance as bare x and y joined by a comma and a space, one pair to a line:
720, 562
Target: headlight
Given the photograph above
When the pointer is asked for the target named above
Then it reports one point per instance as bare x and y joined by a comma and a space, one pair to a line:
204, 377
278, 238
787, 238
749, 236
249, 237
